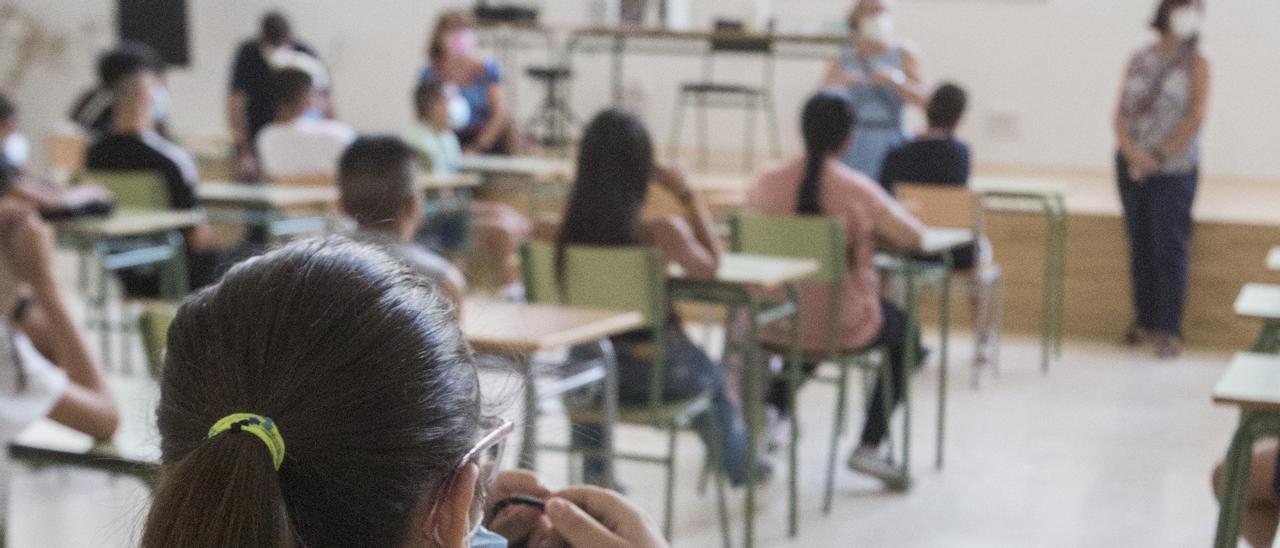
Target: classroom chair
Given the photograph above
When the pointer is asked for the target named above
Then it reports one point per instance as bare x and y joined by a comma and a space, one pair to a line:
297, 221
154, 323
134, 192
711, 92
820, 239
958, 207
625, 278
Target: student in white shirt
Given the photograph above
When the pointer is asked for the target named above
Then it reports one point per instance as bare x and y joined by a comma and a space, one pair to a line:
45, 368
301, 142
431, 135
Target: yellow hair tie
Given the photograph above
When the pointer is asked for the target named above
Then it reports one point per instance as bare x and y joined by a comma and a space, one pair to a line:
262, 427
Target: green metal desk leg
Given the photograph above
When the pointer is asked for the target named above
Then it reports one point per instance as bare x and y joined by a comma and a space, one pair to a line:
948, 262
1253, 426
793, 372
751, 402
1047, 303
913, 333
619, 47
1268, 341
529, 432
1060, 294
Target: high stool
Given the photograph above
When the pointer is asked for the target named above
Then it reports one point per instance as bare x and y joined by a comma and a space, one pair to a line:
550, 126
749, 98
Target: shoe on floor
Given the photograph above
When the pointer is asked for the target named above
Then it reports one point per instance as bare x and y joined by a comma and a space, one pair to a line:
1168, 347
870, 461
1135, 336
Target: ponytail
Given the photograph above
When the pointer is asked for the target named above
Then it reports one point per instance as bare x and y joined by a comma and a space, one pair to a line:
826, 123
223, 493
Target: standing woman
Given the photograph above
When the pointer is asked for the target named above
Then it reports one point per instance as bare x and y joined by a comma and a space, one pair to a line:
1157, 124
477, 110
883, 76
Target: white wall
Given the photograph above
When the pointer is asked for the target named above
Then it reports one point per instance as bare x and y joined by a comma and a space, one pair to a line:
1043, 74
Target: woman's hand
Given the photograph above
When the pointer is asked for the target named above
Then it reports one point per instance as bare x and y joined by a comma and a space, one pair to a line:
520, 525
673, 181
597, 518
1141, 164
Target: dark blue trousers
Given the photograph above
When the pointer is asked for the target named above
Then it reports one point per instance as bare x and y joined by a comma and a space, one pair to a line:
1157, 216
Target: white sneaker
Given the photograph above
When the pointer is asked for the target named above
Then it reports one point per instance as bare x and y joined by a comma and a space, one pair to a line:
870, 461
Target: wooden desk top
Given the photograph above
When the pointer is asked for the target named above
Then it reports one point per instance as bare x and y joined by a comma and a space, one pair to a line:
136, 439
1259, 301
759, 271
427, 181
525, 166
1252, 381
495, 326
1273, 259
1014, 186
132, 223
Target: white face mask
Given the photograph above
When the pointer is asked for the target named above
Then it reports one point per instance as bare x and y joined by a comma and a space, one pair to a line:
878, 28
459, 111
160, 102
17, 150
1185, 22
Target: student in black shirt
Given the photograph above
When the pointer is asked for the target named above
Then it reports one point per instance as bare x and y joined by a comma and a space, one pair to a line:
48, 200
251, 103
935, 156
134, 145
92, 111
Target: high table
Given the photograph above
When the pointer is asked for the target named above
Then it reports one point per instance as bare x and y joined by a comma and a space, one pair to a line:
618, 40
738, 279
1273, 259
522, 330
128, 239
1047, 197
1262, 301
1252, 383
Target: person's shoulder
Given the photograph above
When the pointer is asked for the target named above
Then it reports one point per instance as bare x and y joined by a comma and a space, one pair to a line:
247, 47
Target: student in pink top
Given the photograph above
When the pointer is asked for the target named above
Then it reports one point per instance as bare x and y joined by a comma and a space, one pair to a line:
819, 184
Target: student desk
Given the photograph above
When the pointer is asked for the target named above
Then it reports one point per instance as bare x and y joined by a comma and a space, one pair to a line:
737, 280
128, 239
1047, 197
1252, 383
1273, 259
521, 330
936, 242
619, 40
1262, 301
134, 451
543, 176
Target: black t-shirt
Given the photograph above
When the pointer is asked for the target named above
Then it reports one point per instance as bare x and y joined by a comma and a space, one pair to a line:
251, 74
148, 152
93, 111
927, 161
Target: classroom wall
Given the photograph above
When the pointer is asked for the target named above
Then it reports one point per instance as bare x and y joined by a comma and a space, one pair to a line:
1043, 73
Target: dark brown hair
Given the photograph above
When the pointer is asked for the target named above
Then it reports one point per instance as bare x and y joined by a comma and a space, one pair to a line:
946, 106
363, 369
290, 85
825, 124
448, 21
426, 94
275, 29
1160, 21
376, 179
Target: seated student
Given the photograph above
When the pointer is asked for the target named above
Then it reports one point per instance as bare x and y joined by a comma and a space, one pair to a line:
819, 184
45, 368
300, 143
50, 201
615, 170
350, 415
1261, 497
93, 109
499, 229
936, 157
479, 111
376, 179
133, 145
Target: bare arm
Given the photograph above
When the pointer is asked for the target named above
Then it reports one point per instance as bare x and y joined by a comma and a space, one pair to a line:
238, 121
676, 240
913, 88
836, 76
1181, 137
697, 212
895, 228
499, 120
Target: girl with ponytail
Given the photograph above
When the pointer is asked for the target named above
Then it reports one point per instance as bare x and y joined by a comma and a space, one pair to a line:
820, 184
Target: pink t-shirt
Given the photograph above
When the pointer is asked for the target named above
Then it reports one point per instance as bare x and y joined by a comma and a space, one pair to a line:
857, 201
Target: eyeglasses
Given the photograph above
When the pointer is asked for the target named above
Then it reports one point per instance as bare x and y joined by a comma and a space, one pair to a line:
487, 453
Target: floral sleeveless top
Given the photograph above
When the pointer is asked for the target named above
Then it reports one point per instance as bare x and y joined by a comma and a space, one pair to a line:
1152, 109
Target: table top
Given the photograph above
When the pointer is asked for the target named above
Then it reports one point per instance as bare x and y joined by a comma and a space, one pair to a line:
938, 240
759, 271
705, 34
1259, 301
495, 326
1273, 259
264, 195
127, 222
1013, 186
1251, 381
137, 438
528, 166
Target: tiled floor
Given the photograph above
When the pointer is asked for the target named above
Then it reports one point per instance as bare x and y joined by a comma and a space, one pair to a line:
1111, 449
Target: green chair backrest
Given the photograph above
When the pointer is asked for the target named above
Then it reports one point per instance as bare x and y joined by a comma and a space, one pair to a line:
821, 239
138, 190
154, 324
